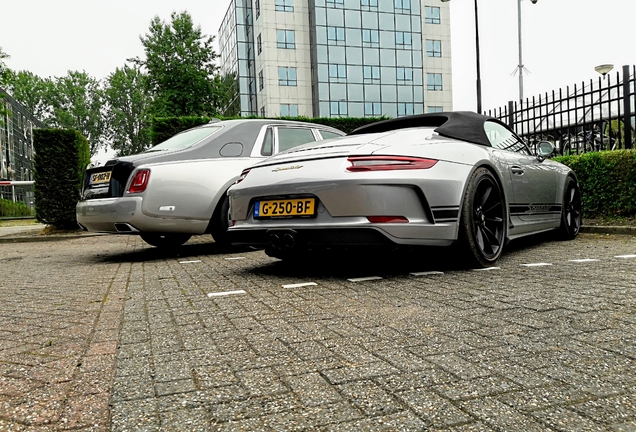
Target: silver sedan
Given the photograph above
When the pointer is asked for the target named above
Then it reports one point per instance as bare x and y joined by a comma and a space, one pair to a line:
178, 188
443, 179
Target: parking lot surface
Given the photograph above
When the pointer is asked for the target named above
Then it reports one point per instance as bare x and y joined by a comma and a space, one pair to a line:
106, 333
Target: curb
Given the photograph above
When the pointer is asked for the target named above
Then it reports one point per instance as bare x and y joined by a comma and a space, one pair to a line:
45, 238
622, 230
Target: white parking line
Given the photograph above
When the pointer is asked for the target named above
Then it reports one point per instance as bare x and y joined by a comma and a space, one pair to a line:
487, 269
225, 293
189, 262
234, 258
625, 256
427, 273
363, 279
584, 260
298, 285
536, 264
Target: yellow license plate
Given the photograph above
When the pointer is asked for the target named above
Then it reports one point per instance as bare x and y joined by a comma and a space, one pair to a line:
100, 177
285, 208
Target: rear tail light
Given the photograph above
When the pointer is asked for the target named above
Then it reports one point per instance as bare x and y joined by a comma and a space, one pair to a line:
244, 174
385, 163
387, 219
140, 181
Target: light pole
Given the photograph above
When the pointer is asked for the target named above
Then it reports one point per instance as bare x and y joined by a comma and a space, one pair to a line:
520, 66
477, 55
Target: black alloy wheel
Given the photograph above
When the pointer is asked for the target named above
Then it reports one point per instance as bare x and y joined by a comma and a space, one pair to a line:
571, 214
483, 228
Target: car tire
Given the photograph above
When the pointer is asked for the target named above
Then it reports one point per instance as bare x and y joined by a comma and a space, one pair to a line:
165, 240
571, 214
221, 223
482, 229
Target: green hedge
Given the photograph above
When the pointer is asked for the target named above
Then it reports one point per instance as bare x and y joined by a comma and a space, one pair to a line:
608, 181
60, 159
14, 209
165, 127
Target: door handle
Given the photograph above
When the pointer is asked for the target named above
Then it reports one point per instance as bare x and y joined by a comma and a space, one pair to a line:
517, 170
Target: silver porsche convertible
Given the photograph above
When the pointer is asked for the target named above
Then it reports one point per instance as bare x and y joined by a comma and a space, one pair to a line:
454, 178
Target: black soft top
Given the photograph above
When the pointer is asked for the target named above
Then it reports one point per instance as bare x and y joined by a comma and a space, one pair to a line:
461, 125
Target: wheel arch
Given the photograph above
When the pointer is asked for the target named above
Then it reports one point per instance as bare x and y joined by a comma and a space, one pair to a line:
500, 181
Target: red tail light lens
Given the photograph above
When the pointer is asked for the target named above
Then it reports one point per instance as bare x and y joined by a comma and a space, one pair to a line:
140, 181
244, 174
387, 219
385, 163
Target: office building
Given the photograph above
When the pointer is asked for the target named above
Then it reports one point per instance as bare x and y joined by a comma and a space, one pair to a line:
329, 58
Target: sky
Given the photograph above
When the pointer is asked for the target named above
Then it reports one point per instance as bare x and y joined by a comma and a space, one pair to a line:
563, 40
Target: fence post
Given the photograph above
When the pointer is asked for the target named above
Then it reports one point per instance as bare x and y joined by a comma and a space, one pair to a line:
510, 116
627, 109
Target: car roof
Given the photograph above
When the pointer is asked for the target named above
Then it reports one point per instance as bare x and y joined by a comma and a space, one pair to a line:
462, 125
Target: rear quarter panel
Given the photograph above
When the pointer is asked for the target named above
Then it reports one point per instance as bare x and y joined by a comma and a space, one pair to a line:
190, 189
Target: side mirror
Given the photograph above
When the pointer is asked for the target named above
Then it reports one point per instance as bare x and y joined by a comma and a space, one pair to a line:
544, 149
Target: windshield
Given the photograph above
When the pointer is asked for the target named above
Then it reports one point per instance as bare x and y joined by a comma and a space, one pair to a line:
185, 139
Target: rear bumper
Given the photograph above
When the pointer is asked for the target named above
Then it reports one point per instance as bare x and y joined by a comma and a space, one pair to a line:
308, 238
125, 216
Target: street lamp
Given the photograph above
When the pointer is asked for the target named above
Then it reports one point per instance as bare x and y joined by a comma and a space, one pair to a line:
604, 69
477, 55
520, 66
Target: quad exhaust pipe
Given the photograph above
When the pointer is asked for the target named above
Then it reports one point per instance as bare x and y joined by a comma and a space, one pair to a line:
282, 240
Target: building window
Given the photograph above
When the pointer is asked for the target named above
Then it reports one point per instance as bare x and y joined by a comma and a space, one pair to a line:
431, 15
402, 6
371, 74
285, 39
262, 111
370, 38
405, 109
372, 109
259, 44
369, 5
404, 75
435, 109
287, 76
257, 6
289, 110
434, 81
337, 72
402, 39
336, 35
285, 5
335, 4
338, 108
261, 81
433, 48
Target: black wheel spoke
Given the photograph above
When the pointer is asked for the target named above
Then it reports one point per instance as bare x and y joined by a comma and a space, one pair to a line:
485, 196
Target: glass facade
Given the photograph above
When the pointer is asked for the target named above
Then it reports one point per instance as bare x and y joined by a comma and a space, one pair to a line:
16, 142
367, 58
345, 57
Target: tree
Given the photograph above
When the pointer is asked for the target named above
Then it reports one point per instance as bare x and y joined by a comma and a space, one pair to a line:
33, 93
3, 66
180, 66
3, 73
127, 111
78, 103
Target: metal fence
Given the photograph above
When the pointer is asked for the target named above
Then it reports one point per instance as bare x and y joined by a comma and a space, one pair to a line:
593, 116
16, 199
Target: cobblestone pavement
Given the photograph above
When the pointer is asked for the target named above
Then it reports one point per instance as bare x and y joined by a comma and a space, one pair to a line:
105, 333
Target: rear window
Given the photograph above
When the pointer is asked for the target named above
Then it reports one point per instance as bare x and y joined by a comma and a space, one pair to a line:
186, 139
